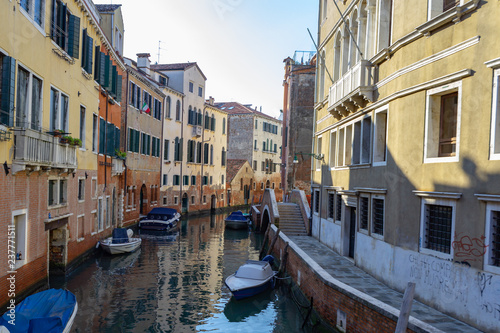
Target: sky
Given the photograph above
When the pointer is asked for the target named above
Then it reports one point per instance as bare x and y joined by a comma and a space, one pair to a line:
239, 45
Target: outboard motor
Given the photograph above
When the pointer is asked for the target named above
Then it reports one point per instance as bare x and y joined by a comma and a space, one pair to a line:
269, 258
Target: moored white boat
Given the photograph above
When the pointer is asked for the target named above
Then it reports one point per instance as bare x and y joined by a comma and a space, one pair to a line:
160, 219
251, 278
120, 242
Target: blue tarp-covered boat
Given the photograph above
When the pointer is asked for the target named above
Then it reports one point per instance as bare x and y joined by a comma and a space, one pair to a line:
160, 219
52, 311
237, 220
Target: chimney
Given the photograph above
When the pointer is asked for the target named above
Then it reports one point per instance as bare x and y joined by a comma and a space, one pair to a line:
143, 62
261, 109
211, 100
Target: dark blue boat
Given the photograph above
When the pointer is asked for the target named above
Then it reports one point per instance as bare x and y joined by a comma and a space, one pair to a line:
237, 220
52, 310
160, 219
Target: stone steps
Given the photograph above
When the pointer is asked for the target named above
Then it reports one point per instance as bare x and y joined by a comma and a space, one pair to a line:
291, 222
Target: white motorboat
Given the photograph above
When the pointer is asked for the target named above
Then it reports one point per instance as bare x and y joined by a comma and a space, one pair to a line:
251, 278
120, 242
160, 219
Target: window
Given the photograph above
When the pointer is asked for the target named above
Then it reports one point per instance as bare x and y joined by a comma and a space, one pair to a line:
185, 180
223, 125
378, 216
167, 107
341, 144
165, 201
198, 152
133, 140
29, 100
492, 257
222, 179
177, 149
100, 215
192, 199
193, 180
178, 111
333, 146
81, 189
255, 123
107, 212
82, 125
165, 179
211, 180
65, 28
166, 150
80, 225
380, 138
262, 186
191, 87
87, 51
35, 9
211, 155
255, 165
338, 208
58, 192
93, 187
176, 200
223, 157
363, 213
163, 81
205, 153
437, 227
7, 88
19, 226
205, 180
145, 144
318, 152
176, 180
212, 123
437, 7
495, 118
58, 110
442, 128
200, 91
255, 145
316, 201
155, 147
263, 167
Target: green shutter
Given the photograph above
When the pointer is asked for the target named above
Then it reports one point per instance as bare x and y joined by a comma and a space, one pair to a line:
74, 36
8, 81
61, 26
107, 71
137, 141
181, 149
114, 79
90, 50
102, 131
119, 88
130, 138
110, 139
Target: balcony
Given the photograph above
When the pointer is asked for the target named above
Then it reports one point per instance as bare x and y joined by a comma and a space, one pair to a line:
352, 91
35, 151
117, 166
197, 131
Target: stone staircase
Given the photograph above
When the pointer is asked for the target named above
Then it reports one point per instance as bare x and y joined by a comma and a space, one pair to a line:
291, 222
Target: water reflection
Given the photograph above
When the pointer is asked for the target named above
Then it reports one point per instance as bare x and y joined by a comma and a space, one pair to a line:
175, 283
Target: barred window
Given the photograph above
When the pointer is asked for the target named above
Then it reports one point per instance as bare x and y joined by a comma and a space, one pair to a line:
316, 201
363, 213
494, 260
338, 208
331, 205
378, 216
438, 222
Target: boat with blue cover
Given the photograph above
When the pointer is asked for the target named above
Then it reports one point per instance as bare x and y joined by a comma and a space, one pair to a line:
237, 220
252, 278
52, 310
160, 219
121, 241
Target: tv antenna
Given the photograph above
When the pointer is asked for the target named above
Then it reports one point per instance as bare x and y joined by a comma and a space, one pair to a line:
159, 50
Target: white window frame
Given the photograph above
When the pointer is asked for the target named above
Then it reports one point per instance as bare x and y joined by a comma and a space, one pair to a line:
370, 216
490, 206
431, 146
377, 144
93, 187
333, 149
78, 189
20, 237
328, 206
441, 202
29, 98
57, 193
435, 8
83, 128
100, 214
78, 240
368, 228
495, 117
319, 148
107, 213
59, 119
30, 15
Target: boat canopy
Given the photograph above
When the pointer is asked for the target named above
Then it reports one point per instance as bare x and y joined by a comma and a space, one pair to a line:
46, 311
120, 236
237, 216
161, 214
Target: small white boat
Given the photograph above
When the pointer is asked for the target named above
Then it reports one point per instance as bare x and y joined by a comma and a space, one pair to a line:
121, 241
251, 278
160, 219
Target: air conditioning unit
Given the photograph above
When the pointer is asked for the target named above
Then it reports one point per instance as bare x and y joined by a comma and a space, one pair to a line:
197, 130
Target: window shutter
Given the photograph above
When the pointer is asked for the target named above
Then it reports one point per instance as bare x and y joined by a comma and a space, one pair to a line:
148, 144
88, 58
137, 142
154, 147
102, 130
130, 139
117, 139
119, 88
107, 77
53, 23
114, 78
61, 26
8, 87
181, 149
74, 36
97, 65
110, 139
102, 68
213, 124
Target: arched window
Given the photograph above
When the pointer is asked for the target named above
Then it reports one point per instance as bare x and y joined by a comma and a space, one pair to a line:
223, 157
337, 57
345, 48
178, 110
200, 118
207, 121
354, 30
167, 107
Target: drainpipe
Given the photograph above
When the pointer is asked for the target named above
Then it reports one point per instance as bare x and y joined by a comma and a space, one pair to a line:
181, 148
105, 142
126, 133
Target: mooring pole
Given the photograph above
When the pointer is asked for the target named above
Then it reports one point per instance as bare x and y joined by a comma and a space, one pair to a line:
404, 314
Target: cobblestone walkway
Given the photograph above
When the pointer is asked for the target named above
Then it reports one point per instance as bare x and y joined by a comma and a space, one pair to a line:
346, 272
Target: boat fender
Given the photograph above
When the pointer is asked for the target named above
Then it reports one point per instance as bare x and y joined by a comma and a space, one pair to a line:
269, 258
97, 245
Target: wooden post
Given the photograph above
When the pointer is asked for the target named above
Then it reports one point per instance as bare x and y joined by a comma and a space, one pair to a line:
282, 269
274, 241
261, 254
404, 314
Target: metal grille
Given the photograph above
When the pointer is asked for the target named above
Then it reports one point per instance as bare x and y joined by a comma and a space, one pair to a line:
378, 216
438, 227
331, 203
363, 213
495, 238
448, 4
338, 208
316, 201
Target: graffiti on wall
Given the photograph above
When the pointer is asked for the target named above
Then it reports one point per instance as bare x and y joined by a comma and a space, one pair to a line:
469, 249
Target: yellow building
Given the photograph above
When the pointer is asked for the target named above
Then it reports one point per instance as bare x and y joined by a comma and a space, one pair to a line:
48, 134
406, 119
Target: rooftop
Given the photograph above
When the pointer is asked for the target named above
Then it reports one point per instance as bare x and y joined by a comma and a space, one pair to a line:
107, 8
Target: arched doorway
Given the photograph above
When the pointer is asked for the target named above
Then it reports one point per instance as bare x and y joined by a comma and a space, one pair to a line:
185, 203
143, 199
213, 202
268, 184
246, 194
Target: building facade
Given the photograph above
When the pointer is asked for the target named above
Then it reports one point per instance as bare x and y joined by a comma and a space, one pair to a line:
256, 137
50, 100
240, 177
298, 116
406, 116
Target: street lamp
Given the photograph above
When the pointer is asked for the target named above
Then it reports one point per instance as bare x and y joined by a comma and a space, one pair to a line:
316, 156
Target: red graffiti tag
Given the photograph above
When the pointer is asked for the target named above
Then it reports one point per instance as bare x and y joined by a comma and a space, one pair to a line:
471, 249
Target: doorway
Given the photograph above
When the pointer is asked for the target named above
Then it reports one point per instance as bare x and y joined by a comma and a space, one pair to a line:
352, 231
143, 199
213, 203
185, 203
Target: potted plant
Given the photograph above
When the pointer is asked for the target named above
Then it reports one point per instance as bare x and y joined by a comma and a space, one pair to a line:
120, 154
57, 133
66, 139
77, 142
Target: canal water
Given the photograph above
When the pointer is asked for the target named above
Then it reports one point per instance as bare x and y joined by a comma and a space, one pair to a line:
175, 283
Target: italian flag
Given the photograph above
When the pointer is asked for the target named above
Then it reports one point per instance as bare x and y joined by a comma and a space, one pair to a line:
145, 108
